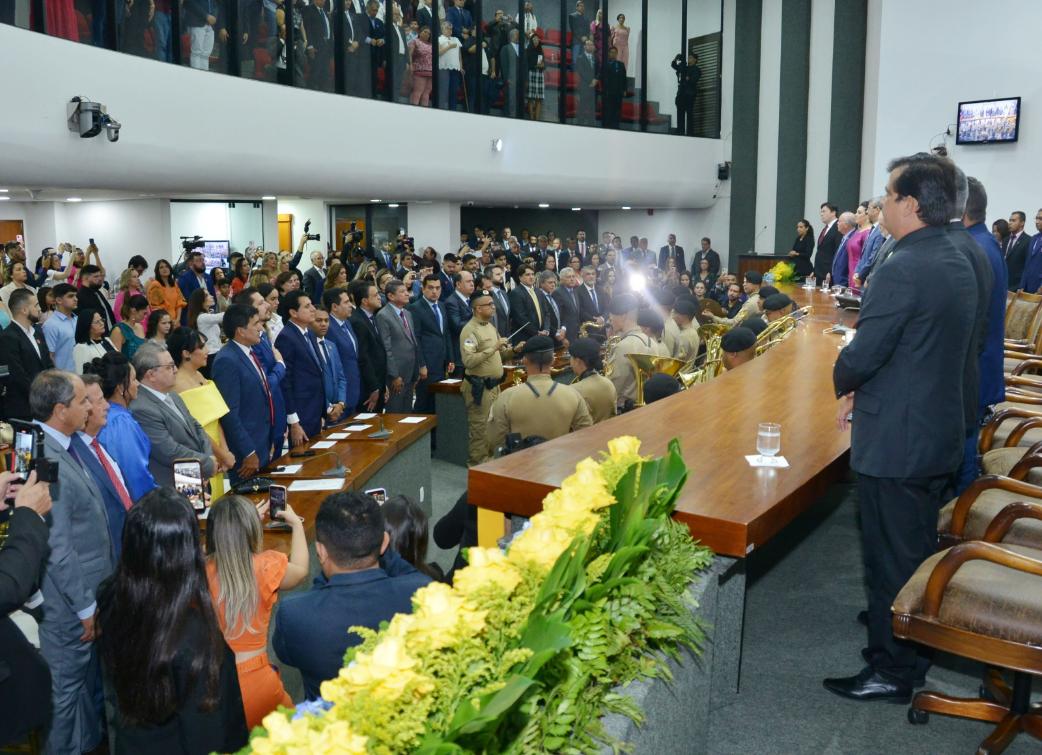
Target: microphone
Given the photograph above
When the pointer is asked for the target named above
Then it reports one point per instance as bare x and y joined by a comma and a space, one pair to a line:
338, 470
757, 238
382, 433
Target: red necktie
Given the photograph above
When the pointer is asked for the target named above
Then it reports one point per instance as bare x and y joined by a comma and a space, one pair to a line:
821, 236
405, 324
124, 496
267, 390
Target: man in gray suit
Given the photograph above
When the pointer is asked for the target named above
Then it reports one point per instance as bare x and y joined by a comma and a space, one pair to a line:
81, 557
405, 363
173, 431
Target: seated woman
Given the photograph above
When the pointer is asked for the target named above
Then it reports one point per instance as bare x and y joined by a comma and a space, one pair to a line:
244, 584
407, 525
704, 275
129, 333
91, 342
122, 436
170, 682
158, 326
163, 292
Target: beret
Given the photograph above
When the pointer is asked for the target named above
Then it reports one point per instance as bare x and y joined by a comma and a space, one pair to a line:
755, 324
585, 349
754, 277
737, 339
776, 302
538, 343
685, 307
766, 291
624, 304
659, 386
649, 318
478, 294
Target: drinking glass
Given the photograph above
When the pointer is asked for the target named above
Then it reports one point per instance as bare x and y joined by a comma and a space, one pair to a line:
768, 438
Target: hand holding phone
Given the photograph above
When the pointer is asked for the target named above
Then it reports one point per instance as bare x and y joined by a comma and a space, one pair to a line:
277, 507
189, 482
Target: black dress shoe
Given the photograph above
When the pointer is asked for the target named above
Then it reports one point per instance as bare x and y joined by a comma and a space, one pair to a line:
862, 618
870, 685
869, 657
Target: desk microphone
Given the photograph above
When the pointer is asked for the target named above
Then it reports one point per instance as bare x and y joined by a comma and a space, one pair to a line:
338, 470
382, 432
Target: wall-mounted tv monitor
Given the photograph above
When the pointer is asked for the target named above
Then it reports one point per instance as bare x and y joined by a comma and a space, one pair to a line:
989, 121
216, 254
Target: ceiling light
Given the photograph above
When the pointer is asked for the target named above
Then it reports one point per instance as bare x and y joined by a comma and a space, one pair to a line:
374, 201
4, 199
625, 208
576, 209
497, 145
269, 198
543, 205
73, 199
393, 205
3, 191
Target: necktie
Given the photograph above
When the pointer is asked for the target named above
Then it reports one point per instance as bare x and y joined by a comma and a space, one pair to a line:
314, 350
821, 236
538, 308
405, 326
351, 336
502, 300
267, 390
437, 316
173, 407
553, 306
124, 496
593, 295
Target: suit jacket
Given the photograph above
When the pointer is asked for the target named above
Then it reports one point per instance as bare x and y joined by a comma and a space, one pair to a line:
174, 434
115, 511
333, 379
275, 371
568, 305
404, 357
247, 426
663, 255
24, 364
348, 352
319, 33
372, 358
523, 315
613, 81
303, 388
81, 546
805, 247
435, 343
94, 300
984, 279
314, 282
992, 377
579, 26
714, 262
551, 315
586, 71
309, 626
447, 286
905, 364
459, 315
501, 299
826, 252
1016, 257
587, 309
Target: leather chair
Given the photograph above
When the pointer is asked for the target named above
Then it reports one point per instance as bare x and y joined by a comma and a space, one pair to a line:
983, 601
969, 516
1023, 321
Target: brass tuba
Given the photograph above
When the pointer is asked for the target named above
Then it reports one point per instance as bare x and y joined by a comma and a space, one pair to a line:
711, 367
646, 365
608, 355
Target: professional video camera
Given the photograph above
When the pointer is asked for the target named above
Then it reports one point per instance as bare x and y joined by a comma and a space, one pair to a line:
311, 236
188, 243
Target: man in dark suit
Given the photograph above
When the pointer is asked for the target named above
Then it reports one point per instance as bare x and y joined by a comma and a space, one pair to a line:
405, 365
828, 242
591, 298
243, 382
512, 69
613, 89
526, 307
342, 336
91, 296
302, 388
586, 70
432, 328
25, 680
500, 299
270, 361
457, 306
901, 378
568, 303
1016, 251
193, 277
708, 253
460, 18
352, 590
357, 60
579, 28
334, 382
375, 39
24, 352
319, 30
547, 281
448, 270
372, 359
315, 278
671, 251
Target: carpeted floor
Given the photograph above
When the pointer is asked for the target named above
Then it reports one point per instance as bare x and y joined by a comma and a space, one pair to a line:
804, 593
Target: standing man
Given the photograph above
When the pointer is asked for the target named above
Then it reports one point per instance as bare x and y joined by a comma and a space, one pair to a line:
432, 329
902, 377
1031, 276
405, 364
568, 303
372, 358
303, 387
828, 242
511, 68
92, 298
25, 353
591, 298
707, 253
333, 379
483, 350
551, 312
342, 336
581, 247
499, 296
192, 278
687, 92
319, 30
579, 26
315, 278
840, 273
1016, 251
270, 361
526, 308
671, 251
60, 329
632, 341
872, 243
457, 306
613, 89
81, 557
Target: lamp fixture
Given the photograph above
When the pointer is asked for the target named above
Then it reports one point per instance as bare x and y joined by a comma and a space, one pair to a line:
497, 145
4, 199
543, 205
374, 201
73, 199
4, 191
269, 198
625, 208
393, 205
576, 209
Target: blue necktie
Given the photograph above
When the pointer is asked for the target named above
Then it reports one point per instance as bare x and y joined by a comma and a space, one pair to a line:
347, 329
437, 313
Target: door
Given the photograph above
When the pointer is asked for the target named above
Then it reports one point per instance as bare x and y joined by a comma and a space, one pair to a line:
12, 230
286, 232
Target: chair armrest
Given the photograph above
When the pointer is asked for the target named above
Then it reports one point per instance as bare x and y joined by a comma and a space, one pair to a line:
987, 433
1019, 431
1031, 363
1016, 346
1031, 459
1000, 525
1017, 396
972, 551
987, 482
1024, 382
1009, 354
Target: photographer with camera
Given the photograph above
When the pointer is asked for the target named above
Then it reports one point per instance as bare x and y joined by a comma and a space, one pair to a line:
687, 90
25, 680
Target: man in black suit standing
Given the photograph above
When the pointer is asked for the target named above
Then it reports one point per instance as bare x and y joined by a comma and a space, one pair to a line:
357, 80
500, 299
372, 358
828, 242
613, 89
24, 352
586, 70
547, 280
706, 253
568, 303
1016, 251
591, 298
526, 307
579, 27
671, 251
319, 30
458, 308
432, 329
91, 297
315, 278
903, 379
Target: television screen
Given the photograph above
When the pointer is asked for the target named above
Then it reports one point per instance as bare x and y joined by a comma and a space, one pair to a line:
989, 121
216, 254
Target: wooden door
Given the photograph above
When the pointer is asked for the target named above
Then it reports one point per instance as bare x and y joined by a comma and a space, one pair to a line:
286, 232
12, 230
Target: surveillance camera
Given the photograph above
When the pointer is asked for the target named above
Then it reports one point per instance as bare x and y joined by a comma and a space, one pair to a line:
88, 119
112, 127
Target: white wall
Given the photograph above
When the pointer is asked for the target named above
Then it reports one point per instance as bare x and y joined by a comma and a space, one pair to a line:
767, 137
121, 229
435, 224
819, 113
911, 112
206, 219
689, 226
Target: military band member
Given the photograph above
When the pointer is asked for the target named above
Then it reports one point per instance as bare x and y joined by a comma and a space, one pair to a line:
630, 341
592, 385
539, 406
738, 346
776, 307
751, 286
687, 341
482, 351
652, 325
662, 301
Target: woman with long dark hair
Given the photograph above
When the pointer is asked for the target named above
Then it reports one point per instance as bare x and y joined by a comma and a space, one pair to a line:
407, 525
169, 676
803, 249
242, 275
158, 326
129, 332
164, 293
91, 341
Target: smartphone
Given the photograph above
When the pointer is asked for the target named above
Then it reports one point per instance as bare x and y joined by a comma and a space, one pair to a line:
380, 494
276, 505
189, 482
91, 241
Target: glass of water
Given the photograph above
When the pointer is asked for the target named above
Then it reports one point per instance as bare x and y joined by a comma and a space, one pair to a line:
768, 438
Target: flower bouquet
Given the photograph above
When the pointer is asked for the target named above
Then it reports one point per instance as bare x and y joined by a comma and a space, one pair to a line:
783, 272
522, 653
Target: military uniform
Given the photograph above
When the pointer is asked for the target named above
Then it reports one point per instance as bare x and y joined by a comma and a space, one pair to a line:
622, 375
751, 307
599, 394
483, 372
538, 406
661, 349
688, 343
670, 333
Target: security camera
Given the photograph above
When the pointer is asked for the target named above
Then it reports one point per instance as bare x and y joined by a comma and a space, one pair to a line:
88, 119
112, 127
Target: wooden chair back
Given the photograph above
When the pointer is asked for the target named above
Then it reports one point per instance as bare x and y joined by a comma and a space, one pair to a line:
1024, 316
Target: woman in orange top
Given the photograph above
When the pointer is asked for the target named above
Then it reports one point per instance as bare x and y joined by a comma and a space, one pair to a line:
244, 583
163, 292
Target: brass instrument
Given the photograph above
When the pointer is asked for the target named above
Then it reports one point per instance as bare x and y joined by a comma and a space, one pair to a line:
599, 332
711, 367
646, 365
608, 355
779, 330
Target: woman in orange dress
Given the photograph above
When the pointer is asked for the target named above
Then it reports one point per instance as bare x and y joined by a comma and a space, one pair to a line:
163, 292
245, 582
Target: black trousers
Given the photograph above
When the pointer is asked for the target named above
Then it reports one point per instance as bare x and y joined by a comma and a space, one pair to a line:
898, 533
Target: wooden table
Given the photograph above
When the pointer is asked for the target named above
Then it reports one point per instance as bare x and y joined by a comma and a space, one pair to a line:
761, 263
728, 505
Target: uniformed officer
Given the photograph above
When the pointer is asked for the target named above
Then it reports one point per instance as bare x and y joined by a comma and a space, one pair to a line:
592, 385
738, 346
663, 300
777, 306
684, 313
651, 324
539, 406
482, 351
630, 341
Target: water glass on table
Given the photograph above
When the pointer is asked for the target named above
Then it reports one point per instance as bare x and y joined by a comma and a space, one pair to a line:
768, 438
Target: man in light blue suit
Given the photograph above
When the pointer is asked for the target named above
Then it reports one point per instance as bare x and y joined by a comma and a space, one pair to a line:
333, 379
337, 302
840, 263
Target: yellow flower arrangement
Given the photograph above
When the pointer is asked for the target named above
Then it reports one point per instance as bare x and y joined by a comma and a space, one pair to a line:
443, 616
783, 272
487, 567
308, 735
386, 673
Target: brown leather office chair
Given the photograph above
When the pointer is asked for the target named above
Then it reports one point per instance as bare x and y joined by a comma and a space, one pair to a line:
983, 601
1023, 320
969, 516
